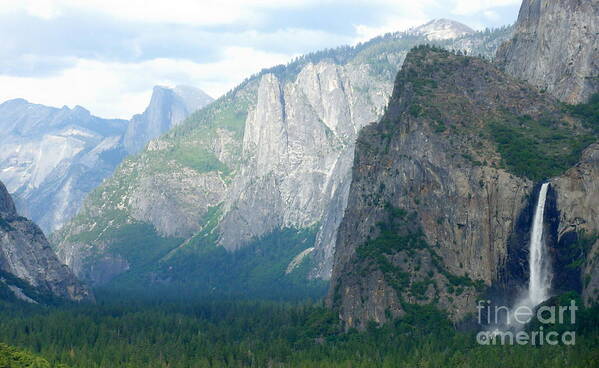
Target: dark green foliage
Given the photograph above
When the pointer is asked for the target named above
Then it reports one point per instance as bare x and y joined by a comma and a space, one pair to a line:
578, 251
586, 320
401, 232
537, 150
197, 158
158, 334
432, 86
139, 243
415, 110
439, 126
588, 112
398, 232
256, 270
14, 358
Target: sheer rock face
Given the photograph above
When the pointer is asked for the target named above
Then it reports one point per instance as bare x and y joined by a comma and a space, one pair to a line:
555, 47
26, 254
578, 205
297, 145
446, 178
167, 108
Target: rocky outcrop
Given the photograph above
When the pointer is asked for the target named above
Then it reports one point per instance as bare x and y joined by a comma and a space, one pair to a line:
578, 205
555, 47
168, 107
28, 266
434, 200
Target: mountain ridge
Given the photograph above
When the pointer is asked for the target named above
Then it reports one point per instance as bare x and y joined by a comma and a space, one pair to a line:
235, 192
55, 156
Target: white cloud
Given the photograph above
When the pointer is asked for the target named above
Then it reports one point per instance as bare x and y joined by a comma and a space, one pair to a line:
365, 33
119, 90
172, 43
193, 12
492, 15
469, 7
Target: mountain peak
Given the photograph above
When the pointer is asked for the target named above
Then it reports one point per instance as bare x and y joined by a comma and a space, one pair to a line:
442, 29
194, 97
168, 107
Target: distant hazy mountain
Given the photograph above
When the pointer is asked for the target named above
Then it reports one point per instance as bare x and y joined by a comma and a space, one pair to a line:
442, 29
51, 158
168, 107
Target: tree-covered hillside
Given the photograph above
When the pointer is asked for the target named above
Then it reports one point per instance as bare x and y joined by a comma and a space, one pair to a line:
11, 357
159, 334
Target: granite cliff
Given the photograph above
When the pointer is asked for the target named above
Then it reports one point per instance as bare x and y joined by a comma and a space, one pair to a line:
577, 203
29, 269
168, 107
555, 48
440, 184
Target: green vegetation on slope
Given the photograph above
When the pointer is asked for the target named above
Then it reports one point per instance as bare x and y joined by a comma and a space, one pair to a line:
401, 233
471, 102
588, 112
210, 142
258, 270
538, 149
13, 358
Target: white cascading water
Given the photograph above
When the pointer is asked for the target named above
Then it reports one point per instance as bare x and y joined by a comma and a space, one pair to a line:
538, 262
539, 282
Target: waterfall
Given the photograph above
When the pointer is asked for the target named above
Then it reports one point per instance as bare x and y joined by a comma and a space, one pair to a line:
538, 262
539, 282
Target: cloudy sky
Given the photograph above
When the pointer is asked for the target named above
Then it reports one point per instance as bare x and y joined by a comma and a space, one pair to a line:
106, 55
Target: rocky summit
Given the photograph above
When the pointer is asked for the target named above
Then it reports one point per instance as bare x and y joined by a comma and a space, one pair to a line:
29, 269
442, 29
168, 107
